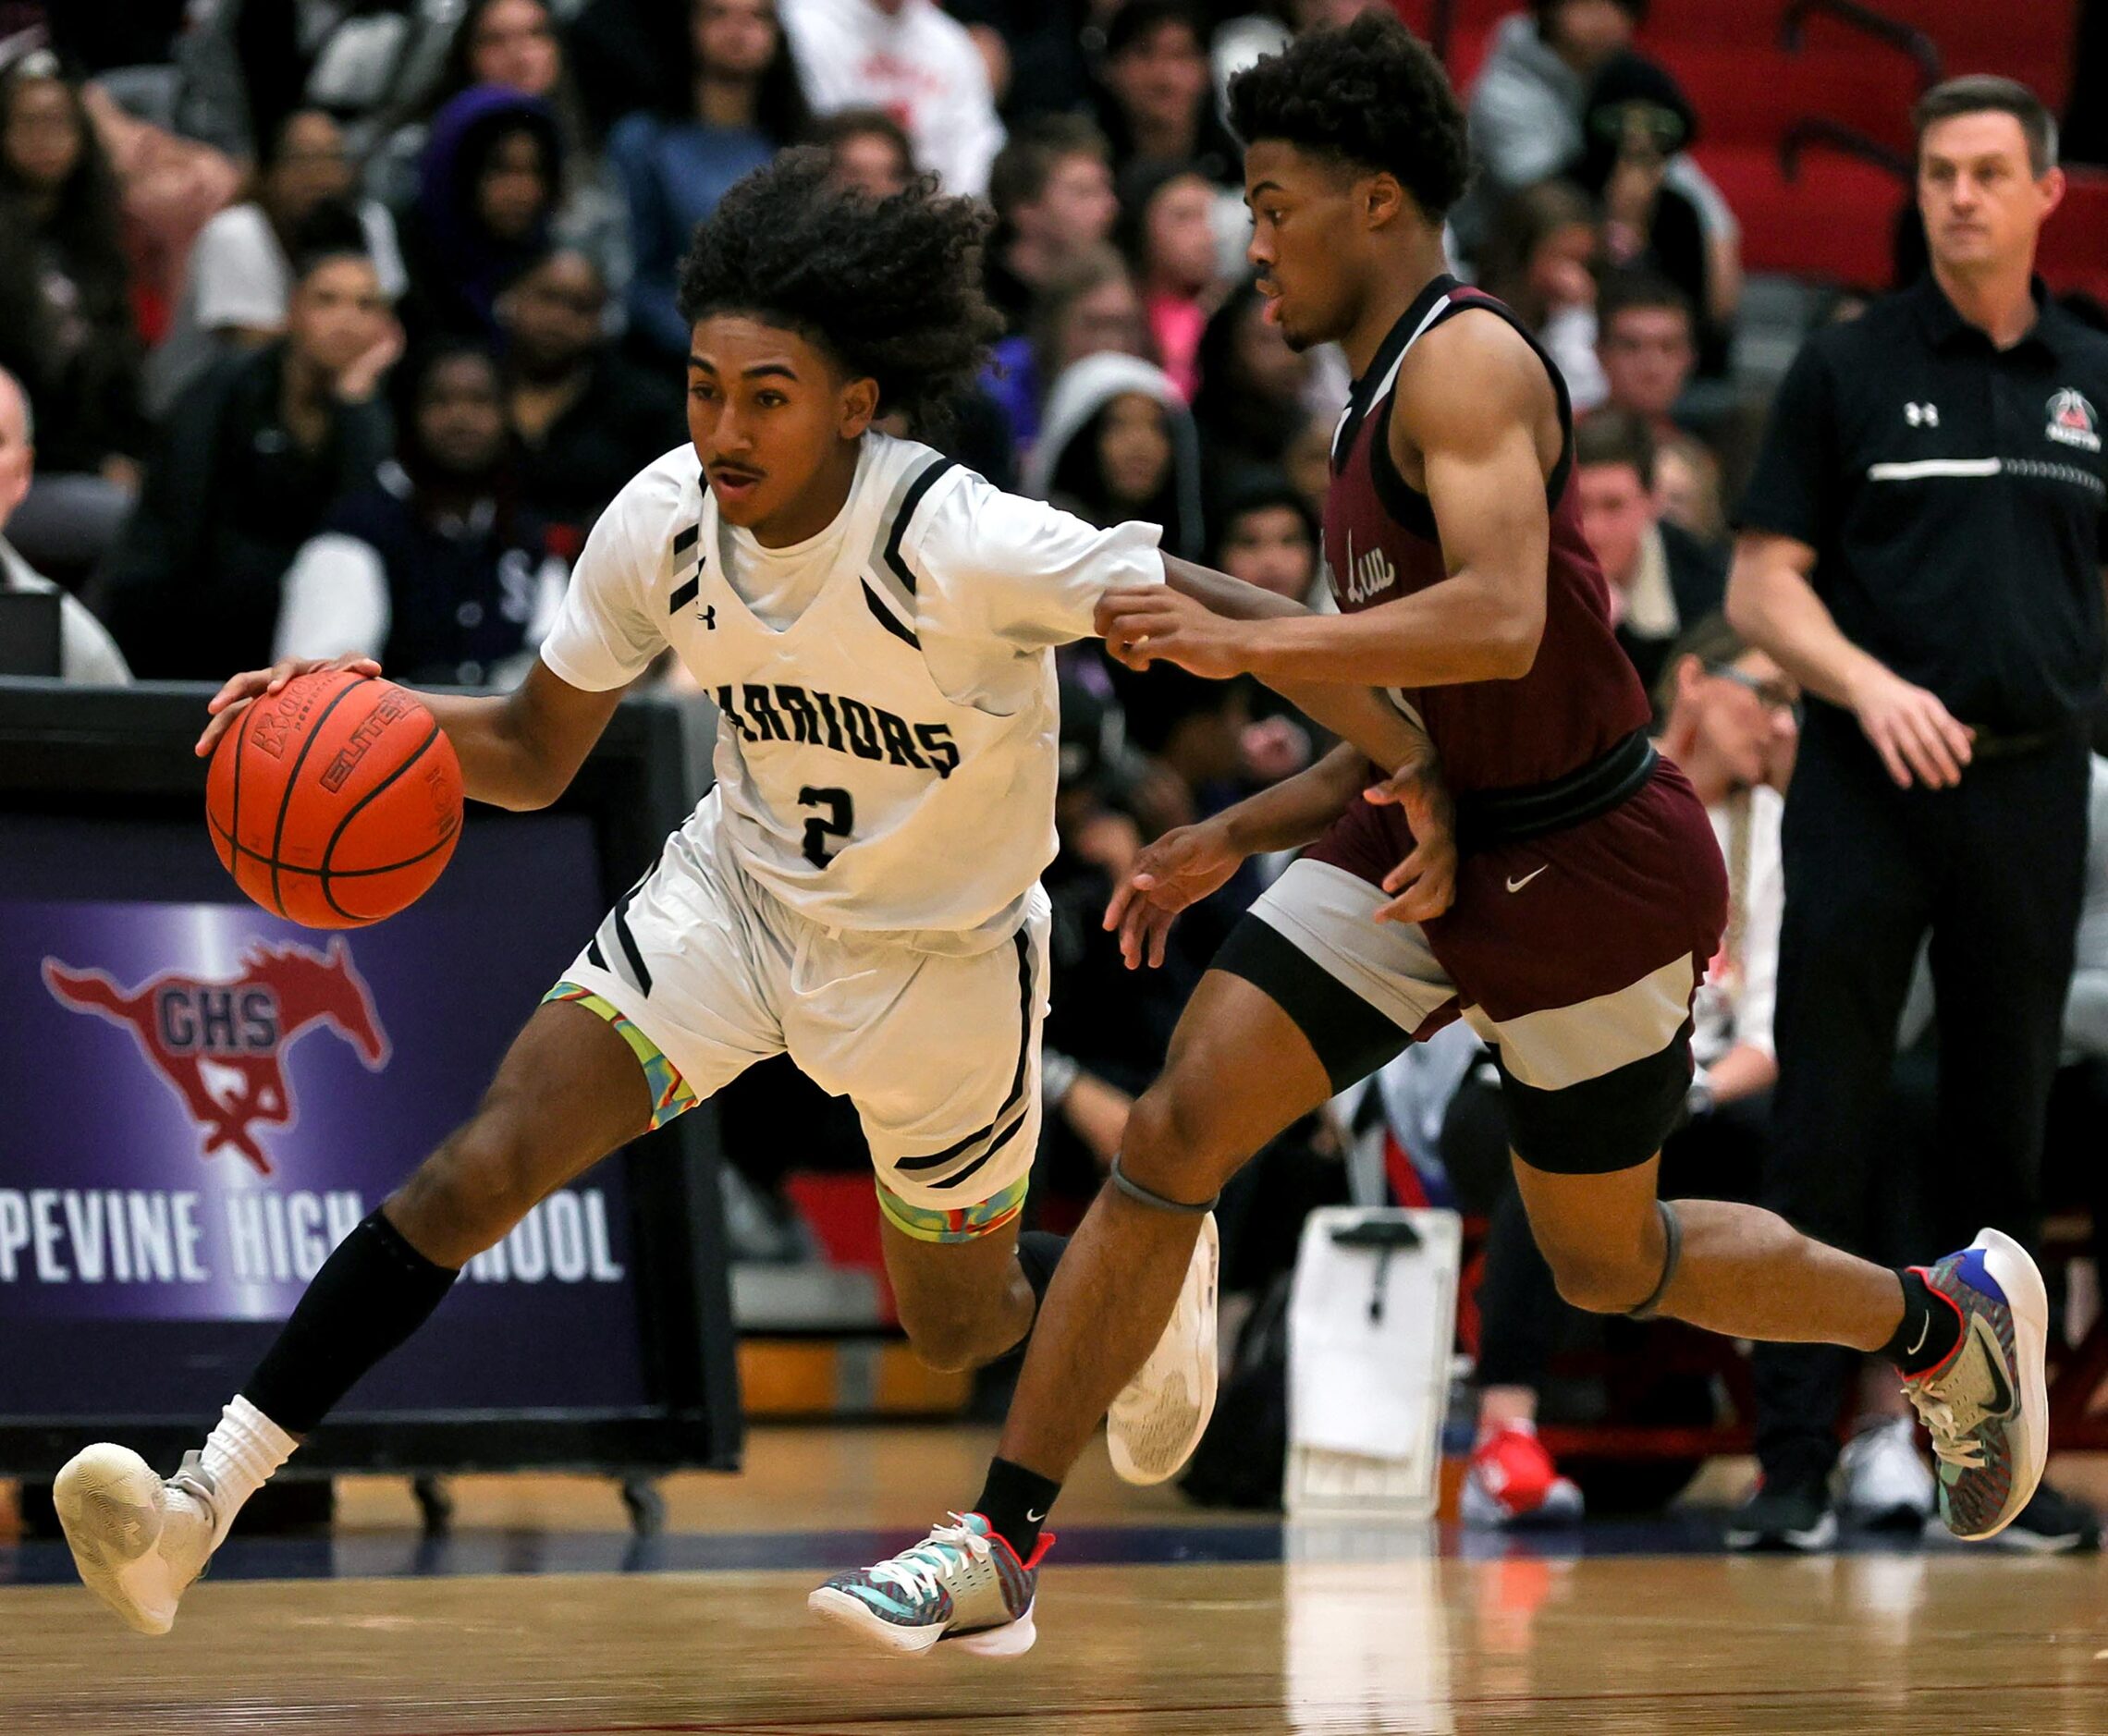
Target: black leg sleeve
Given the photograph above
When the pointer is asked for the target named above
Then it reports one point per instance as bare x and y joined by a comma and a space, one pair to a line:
371, 1294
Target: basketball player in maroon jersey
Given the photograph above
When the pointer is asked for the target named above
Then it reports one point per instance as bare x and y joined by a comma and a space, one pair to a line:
1588, 897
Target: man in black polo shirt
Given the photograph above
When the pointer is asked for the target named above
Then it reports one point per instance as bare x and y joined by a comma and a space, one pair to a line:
1921, 548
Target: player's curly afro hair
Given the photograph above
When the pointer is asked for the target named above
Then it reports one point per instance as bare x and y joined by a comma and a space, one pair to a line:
889, 288
1371, 94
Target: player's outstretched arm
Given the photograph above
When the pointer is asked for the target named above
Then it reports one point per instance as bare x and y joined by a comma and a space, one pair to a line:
1190, 862
1197, 595
517, 749
1475, 411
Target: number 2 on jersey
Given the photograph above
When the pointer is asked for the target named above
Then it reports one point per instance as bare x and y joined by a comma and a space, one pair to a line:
840, 818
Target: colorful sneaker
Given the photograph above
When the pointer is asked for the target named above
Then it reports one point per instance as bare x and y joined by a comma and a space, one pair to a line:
1512, 1481
1883, 1485
961, 1583
1161, 1416
1987, 1405
138, 1541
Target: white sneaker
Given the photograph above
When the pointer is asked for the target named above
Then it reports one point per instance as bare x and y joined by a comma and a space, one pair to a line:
138, 1541
1161, 1413
1883, 1485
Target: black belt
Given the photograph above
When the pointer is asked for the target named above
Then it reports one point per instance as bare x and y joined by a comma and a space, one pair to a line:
1486, 817
1989, 744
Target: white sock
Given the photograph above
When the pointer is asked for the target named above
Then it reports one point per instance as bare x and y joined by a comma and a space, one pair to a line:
240, 1456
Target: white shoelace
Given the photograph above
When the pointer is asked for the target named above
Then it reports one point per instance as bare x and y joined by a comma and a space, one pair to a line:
1949, 1443
917, 1571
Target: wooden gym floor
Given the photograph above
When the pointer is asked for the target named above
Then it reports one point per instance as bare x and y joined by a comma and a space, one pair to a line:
540, 1615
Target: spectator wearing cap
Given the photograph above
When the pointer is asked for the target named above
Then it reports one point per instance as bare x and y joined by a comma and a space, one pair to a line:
1662, 579
250, 460
585, 418
67, 330
240, 271
1052, 187
1528, 103
741, 105
1636, 120
86, 651
1922, 547
913, 60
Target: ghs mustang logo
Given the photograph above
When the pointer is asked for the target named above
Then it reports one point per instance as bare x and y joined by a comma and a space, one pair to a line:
2072, 422
220, 1046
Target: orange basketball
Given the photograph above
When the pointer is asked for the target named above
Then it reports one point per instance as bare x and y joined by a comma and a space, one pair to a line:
336, 801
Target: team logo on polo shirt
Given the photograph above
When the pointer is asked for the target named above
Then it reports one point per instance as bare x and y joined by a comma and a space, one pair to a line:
2072, 422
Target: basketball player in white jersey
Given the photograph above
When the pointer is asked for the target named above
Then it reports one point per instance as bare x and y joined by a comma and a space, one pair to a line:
860, 888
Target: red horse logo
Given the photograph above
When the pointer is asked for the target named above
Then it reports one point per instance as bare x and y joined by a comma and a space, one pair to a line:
221, 1046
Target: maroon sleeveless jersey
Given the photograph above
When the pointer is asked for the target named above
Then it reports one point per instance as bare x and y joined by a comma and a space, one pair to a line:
1581, 697
1617, 878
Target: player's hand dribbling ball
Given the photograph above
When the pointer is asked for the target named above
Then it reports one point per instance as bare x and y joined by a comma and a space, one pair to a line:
336, 801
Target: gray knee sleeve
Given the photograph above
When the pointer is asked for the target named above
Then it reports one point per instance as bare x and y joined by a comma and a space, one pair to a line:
1672, 1230
1156, 1202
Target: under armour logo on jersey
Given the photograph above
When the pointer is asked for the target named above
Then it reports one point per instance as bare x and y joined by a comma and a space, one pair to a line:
1922, 415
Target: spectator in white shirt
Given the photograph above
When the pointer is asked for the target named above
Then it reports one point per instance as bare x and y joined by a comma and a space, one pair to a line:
86, 651
911, 59
241, 272
435, 568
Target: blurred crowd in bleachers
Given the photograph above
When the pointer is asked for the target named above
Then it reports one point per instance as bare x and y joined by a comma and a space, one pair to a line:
335, 323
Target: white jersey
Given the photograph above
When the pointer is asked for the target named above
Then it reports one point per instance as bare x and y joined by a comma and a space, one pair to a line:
886, 759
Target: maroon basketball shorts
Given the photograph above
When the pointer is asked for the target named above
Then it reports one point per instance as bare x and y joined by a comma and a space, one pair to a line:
1573, 954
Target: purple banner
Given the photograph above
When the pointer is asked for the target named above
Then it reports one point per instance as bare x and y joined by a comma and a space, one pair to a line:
200, 1100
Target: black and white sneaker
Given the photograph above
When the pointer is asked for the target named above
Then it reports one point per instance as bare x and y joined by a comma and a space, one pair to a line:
1792, 1514
2052, 1523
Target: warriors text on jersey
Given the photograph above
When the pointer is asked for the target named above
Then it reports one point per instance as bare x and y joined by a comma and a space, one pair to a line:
886, 752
